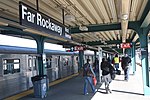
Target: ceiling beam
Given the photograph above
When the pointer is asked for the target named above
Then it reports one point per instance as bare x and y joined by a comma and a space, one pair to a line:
108, 42
104, 27
98, 27
115, 50
125, 4
133, 36
145, 18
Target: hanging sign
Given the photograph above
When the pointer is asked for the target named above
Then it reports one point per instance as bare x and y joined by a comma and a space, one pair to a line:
32, 18
125, 45
79, 48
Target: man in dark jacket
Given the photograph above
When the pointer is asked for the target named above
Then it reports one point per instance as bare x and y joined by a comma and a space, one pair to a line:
106, 72
125, 66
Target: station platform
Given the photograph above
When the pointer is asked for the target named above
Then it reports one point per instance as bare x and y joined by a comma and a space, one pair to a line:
71, 88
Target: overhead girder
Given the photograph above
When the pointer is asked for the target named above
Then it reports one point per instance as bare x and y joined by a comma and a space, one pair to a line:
114, 47
108, 42
111, 50
97, 27
146, 15
103, 27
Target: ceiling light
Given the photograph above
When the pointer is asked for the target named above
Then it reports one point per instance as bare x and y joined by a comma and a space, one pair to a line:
102, 41
105, 43
69, 17
124, 16
83, 28
123, 40
3, 24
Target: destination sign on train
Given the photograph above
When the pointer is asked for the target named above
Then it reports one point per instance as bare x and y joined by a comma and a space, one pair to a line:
125, 45
39, 21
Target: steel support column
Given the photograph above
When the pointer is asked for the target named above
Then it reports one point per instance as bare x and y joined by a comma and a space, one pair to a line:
81, 59
143, 36
40, 51
100, 60
95, 55
133, 58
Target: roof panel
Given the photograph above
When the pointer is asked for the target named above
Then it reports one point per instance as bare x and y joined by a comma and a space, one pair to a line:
86, 12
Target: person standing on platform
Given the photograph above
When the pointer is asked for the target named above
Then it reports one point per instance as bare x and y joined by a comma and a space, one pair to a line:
116, 62
96, 67
107, 71
125, 66
109, 60
88, 73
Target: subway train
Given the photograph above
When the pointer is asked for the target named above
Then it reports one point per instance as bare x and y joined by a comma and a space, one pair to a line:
19, 64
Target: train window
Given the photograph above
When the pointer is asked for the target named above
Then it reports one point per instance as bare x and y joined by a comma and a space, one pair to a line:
11, 66
77, 58
30, 64
49, 62
34, 64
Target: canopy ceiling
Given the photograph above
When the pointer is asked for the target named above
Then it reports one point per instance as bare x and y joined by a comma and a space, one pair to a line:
85, 13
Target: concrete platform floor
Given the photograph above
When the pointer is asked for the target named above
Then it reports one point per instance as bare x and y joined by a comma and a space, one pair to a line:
72, 89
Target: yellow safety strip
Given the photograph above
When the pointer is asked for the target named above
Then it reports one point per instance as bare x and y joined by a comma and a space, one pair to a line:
25, 93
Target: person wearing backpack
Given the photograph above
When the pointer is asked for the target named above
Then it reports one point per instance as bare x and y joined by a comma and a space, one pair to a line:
88, 73
125, 66
108, 73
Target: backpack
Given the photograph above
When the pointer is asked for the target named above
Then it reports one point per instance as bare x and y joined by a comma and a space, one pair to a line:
86, 70
105, 66
125, 62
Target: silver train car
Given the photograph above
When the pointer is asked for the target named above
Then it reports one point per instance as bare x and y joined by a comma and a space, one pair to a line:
19, 64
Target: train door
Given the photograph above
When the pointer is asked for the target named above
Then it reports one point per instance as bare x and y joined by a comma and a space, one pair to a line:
75, 64
55, 67
49, 67
85, 58
69, 65
59, 68
32, 69
91, 59
63, 65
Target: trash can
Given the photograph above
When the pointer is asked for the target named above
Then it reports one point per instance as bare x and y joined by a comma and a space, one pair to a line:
40, 86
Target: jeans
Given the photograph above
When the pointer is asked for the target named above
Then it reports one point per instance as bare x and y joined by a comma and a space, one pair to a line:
107, 79
88, 80
126, 73
117, 66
